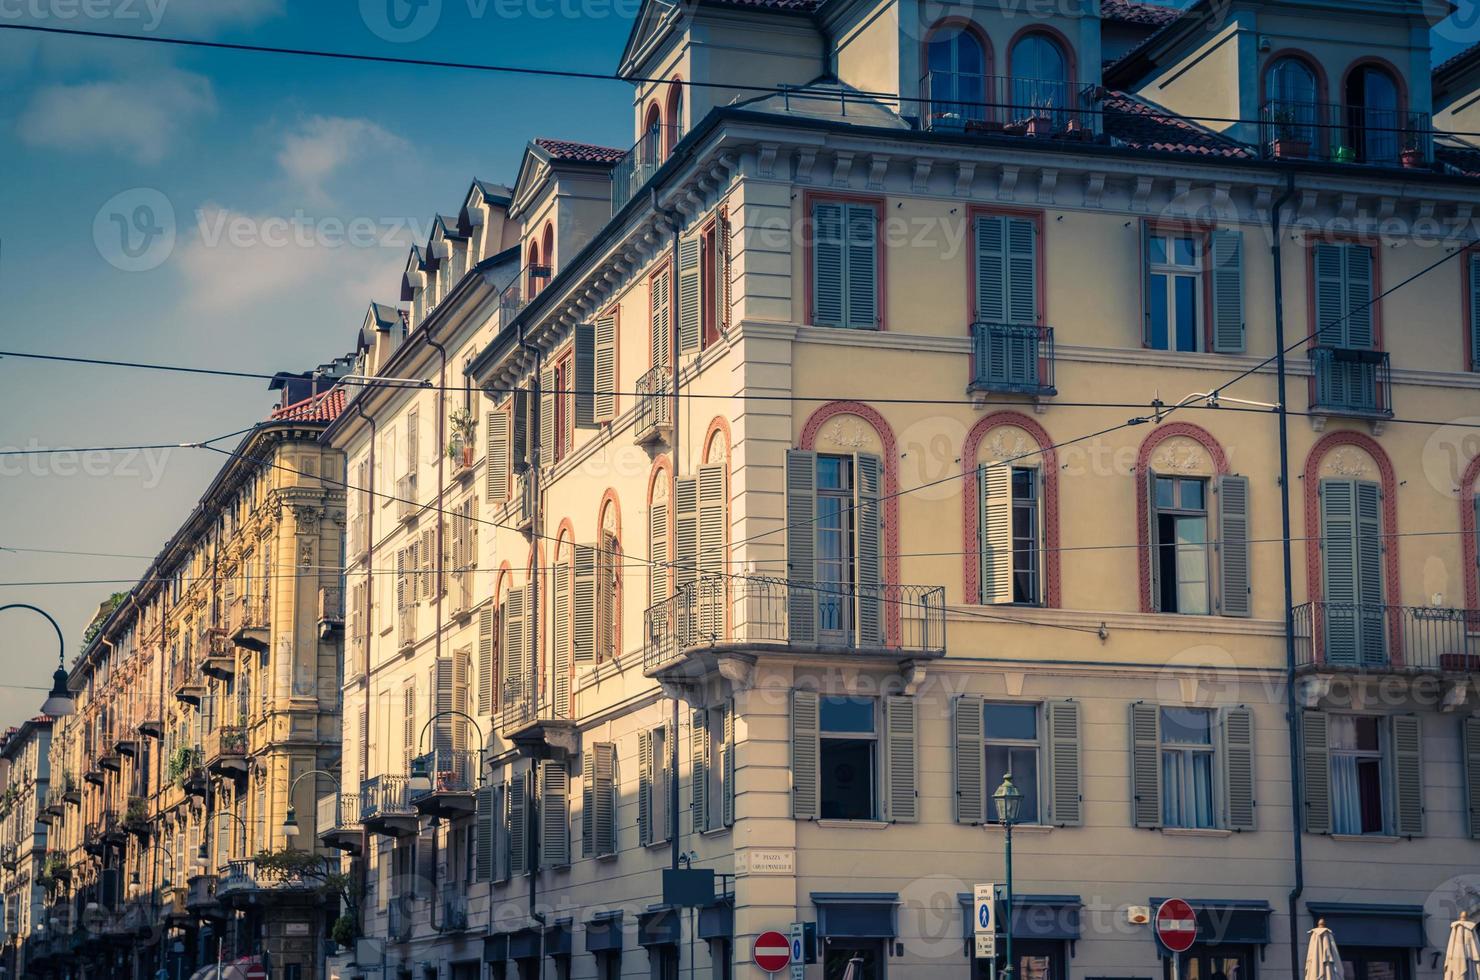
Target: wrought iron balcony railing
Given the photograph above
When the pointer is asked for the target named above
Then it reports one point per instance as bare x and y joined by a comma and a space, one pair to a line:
331, 606
1292, 130
519, 707
447, 771
654, 418
1351, 381
963, 102
637, 167
1012, 358
454, 908
525, 286
1387, 638
406, 505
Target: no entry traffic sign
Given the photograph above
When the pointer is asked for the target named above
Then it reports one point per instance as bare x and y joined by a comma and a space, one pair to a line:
1176, 925
772, 952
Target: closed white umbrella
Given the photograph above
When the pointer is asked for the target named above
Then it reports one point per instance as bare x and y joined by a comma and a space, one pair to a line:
1462, 956
1322, 958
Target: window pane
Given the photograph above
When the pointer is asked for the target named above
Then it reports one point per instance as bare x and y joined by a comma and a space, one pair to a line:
1185, 252
1166, 492
1158, 303
1367, 733
843, 714
1186, 313
847, 779
1158, 248
1192, 494
1187, 726
830, 472
1022, 760
1011, 721
1192, 565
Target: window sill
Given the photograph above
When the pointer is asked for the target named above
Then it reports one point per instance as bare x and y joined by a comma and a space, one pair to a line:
1196, 832
1020, 828
714, 831
834, 824
1366, 838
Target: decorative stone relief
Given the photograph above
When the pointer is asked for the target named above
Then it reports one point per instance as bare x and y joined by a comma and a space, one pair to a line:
1181, 454
1349, 463
1006, 442
851, 433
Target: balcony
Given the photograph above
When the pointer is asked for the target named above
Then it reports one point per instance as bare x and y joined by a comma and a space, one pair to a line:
219, 659
339, 821
635, 169
532, 724
200, 897
398, 919
244, 883
71, 790
406, 627
225, 750
185, 769
451, 778
108, 757
359, 537
1336, 636
525, 287
331, 611
1329, 133
92, 771
148, 718
1351, 383
460, 592
454, 902
186, 683
92, 838
654, 419
722, 614
1014, 359
8, 858
136, 817
248, 622
519, 511
126, 736
385, 806
406, 506
996, 105
114, 833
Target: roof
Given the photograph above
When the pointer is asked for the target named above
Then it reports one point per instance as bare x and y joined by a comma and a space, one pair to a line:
566, 151
1463, 160
1138, 12
781, 6
1143, 125
323, 407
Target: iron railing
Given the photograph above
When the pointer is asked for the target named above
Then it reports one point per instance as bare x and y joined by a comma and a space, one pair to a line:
721, 609
1351, 381
338, 811
1380, 637
654, 419
1293, 130
518, 707
449, 770
454, 907
524, 287
385, 796
968, 103
331, 605
1012, 357
639, 164
247, 613
398, 919
225, 742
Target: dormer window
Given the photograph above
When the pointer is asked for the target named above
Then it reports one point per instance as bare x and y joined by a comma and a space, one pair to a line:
1372, 123
674, 119
1293, 104
956, 77
444, 276
1040, 74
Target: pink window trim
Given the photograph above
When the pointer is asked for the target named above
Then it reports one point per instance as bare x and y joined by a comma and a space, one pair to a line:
1199, 435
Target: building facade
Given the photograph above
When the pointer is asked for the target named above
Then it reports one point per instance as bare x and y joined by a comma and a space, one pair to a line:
23, 830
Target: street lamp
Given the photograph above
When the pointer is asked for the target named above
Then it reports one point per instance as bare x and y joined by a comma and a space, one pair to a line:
1008, 800
420, 777
290, 820
59, 702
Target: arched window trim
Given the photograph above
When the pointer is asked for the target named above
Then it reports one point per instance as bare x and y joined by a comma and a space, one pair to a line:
1144, 557
673, 114
1047, 460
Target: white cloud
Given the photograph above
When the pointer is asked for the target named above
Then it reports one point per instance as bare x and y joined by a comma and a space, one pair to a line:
138, 117
206, 16
323, 145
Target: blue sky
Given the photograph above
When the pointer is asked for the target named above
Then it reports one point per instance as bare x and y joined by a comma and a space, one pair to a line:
239, 148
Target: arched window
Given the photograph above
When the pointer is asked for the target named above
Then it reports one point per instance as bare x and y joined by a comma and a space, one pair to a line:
1291, 102
532, 268
548, 248
1372, 121
1040, 73
674, 118
650, 151
955, 77
608, 598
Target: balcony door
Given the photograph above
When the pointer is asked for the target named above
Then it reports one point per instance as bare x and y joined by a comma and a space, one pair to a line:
1351, 566
1372, 115
956, 80
834, 584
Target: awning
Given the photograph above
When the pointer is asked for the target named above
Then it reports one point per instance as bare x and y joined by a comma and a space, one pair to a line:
604, 932
1228, 920
717, 921
558, 938
1054, 917
524, 944
496, 948
855, 915
659, 927
1371, 925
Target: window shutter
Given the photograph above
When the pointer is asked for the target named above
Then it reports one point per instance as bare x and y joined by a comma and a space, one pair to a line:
862, 267
1315, 763
827, 264
408, 722
660, 340
1153, 570
663, 747
428, 561
604, 368
513, 649
1339, 569
401, 583
690, 318
519, 801
588, 801
711, 559
583, 374
554, 814
644, 788
1359, 319
426, 864
805, 751
442, 735
485, 661
606, 798
727, 760
560, 640
1369, 547
969, 759
519, 427
994, 486
1227, 252
1146, 286
699, 778
496, 466
901, 763
1408, 810
1470, 756
546, 454
1065, 735
991, 275
686, 530
413, 451
1022, 271
868, 480
1146, 764
1331, 294
801, 537
483, 834
1233, 545
1238, 768
1475, 311
499, 845
658, 560
583, 599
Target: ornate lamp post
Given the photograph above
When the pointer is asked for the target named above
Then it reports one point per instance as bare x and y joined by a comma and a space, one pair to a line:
59, 701
290, 820
1008, 800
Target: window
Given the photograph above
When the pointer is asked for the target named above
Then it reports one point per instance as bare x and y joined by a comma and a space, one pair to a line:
1180, 555
563, 403
721, 966
834, 529
1351, 567
1373, 123
663, 962
853, 959
1187, 767
845, 264
609, 964
1040, 78
1037, 959
1225, 961
1358, 773
715, 274
847, 748
1375, 963
1174, 291
608, 598
955, 78
1011, 735
1011, 535
1290, 90
654, 818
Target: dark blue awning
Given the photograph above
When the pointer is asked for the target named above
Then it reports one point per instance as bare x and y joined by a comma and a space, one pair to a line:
1034, 916
524, 944
1371, 925
558, 938
717, 921
658, 927
855, 915
496, 948
1228, 920
604, 932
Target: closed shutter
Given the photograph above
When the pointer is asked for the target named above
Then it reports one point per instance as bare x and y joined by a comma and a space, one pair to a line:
1470, 759
1369, 547
583, 602
606, 798
546, 455
429, 562
1408, 809
711, 558
660, 341
968, 759
583, 374
413, 449
1360, 330
1065, 735
560, 640
868, 471
805, 751
408, 723
483, 827
991, 269
658, 559
690, 319
801, 547
685, 530
1227, 252
1330, 287
727, 760
1315, 777
862, 273
604, 402
485, 661
519, 428
644, 788
500, 843
519, 802
401, 582
1474, 311
588, 801
901, 763
1153, 556
1145, 764
699, 768
1237, 751
1339, 569
827, 264
513, 648
663, 747
1022, 272
1233, 545
554, 814
425, 855
442, 734
994, 487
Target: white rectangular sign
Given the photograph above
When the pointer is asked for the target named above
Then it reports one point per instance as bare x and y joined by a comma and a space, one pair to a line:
798, 966
984, 909
758, 861
986, 946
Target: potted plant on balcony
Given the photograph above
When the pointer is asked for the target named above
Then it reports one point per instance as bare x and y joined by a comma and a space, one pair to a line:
1040, 123
1289, 142
234, 741
1411, 156
460, 443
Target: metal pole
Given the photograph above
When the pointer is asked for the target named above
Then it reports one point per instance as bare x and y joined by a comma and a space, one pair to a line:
1007, 971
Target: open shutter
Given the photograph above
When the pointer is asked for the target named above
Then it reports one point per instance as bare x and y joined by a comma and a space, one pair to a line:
690, 319
588, 801
513, 648
546, 453
644, 788
801, 548
442, 728
499, 820
805, 751
827, 264
485, 661
1408, 810
1470, 759
1237, 751
686, 530
1146, 285
1233, 545
1359, 320
425, 854
1153, 553
901, 763
699, 778
663, 748
660, 340
606, 798
519, 428
1146, 764
483, 827
1339, 569
868, 483
862, 267
1315, 776
727, 760
429, 562
604, 369
560, 652
496, 466
711, 558
1227, 252
1331, 293
1022, 272
1065, 735
519, 823
554, 814
583, 600
1369, 547
969, 759
991, 269
1474, 324
994, 487
658, 559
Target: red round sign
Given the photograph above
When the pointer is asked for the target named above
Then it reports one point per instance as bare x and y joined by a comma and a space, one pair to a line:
772, 952
1176, 925
256, 972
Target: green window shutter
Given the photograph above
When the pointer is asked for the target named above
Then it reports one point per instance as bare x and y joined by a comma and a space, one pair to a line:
699, 771
519, 428
991, 269
485, 661
429, 562
1237, 751
711, 558
496, 465
442, 737
969, 759
588, 801
1359, 291
606, 798
1369, 545
1146, 286
1022, 271
1315, 776
560, 654
828, 260
686, 530
1153, 570
1470, 759
901, 763
1339, 569
1146, 764
1408, 809
554, 814
644, 788
662, 767
546, 453
1065, 735
1474, 311
583, 376
862, 267
660, 341
1227, 252
1331, 294
498, 843
868, 485
512, 688
805, 751
583, 599
689, 295
1233, 545
658, 553
727, 760
994, 487
604, 402
801, 544
518, 824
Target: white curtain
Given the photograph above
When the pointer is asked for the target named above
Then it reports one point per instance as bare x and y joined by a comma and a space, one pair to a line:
1346, 796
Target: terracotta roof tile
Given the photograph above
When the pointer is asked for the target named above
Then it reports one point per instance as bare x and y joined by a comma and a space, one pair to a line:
567, 151
1145, 126
1449, 63
1464, 160
323, 407
1138, 12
